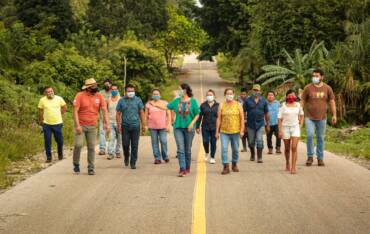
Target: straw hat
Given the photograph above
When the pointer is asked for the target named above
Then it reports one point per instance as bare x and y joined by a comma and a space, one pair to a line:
89, 83
256, 87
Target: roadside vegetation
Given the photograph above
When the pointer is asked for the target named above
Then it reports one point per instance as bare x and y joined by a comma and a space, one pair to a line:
63, 43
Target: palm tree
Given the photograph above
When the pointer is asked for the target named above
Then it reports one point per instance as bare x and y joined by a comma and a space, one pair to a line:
297, 69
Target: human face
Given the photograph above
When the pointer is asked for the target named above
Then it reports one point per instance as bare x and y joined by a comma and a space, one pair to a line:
229, 95
270, 97
130, 92
49, 93
114, 91
291, 98
107, 86
156, 95
316, 78
243, 95
210, 97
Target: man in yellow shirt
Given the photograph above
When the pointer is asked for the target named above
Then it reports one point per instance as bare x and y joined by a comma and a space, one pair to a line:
51, 108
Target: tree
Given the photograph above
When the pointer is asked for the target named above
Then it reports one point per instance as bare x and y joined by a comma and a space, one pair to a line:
298, 69
53, 15
182, 36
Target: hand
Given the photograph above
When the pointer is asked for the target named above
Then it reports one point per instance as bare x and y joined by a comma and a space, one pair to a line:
241, 134
334, 120
168, 129
106, 128
190, 128
146, 128
78, 130
198, 130
217, 135
119, 129
281, 134
143, 131
267, 128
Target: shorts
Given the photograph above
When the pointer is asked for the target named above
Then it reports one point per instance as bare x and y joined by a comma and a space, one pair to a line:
291, 131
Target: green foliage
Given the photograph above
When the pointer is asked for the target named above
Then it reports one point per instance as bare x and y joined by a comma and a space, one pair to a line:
53, 15
182, 36
116, 17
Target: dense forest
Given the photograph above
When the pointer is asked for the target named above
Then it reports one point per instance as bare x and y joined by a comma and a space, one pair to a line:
277, 43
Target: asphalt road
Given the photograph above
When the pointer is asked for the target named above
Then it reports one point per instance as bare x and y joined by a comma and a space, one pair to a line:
261, 198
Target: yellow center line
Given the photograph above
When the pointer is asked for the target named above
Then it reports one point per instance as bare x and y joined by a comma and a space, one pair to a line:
199, 200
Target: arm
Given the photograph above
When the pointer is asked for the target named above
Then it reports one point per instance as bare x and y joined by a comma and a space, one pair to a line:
169, 120
218, 122
267, 120
118, 119
64, 109
191, 126
146, 115
76, 120
41, 116
143, 120
241, 113
333, 110
199, 121
280, 123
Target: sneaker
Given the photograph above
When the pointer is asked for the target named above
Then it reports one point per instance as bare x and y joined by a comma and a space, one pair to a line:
270, 151
101, 152
157, 161
118, 155
60, 157
206, 157
212, 161
126, 163
91, 172
110, 157
309, 161
320, 163
76, 168
48, 161
133, 167
182, 173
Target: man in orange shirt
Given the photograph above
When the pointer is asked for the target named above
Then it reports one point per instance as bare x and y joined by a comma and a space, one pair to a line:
86, 106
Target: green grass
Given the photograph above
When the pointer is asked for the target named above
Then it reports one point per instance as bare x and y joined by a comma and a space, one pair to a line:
356, 144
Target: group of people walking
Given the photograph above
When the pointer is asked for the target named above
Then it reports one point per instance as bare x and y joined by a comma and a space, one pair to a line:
246, 118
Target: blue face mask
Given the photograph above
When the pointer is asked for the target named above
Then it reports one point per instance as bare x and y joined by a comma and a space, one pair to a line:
114, 93
131, 94
255, 94
156, 97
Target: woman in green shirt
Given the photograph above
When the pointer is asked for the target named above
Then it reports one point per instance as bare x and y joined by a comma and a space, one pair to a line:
186, 109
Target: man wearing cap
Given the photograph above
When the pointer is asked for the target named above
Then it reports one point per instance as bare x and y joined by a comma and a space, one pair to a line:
106, 92
257, 117
86, 106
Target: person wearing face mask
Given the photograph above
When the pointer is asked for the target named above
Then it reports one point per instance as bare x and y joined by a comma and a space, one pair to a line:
257, 118
86, 106
314, 100
107, 94
290, 119
241, 99
207, 125
159, 122
131, 119
186, 109
230, 126
51, 108
115, 139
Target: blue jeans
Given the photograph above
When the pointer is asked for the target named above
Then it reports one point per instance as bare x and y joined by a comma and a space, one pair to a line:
49, 130
115, 140
255, 137
159, 135
225, 140
209, 136
318, 126
102, 141
184, 141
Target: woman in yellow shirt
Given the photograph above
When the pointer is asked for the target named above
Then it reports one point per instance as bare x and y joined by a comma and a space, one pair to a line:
230, 126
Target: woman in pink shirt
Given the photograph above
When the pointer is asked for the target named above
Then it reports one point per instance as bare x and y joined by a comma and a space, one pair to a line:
158, 122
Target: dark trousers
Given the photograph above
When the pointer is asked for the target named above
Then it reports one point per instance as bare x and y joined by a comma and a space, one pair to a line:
245, 136
209, 138
130, 138
274, 130
55, 130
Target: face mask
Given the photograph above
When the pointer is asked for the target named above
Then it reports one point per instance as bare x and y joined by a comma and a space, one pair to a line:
291, 99
229, 97
107, 88
50, 95
131, 94
255, 94
316, 80
156, 97
182, 92
93, 90
210, 98
114, 93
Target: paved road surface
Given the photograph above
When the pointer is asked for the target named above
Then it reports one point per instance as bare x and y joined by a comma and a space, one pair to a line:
262, 198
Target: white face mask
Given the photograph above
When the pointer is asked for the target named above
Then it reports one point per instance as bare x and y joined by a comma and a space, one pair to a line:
210, 98
130, 94
315, 80
229, 97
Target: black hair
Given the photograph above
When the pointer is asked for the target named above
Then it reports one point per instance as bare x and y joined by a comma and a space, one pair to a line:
318, 70
186, 87
129, 86
243, 90
228, 89
107, 80
47, 87
289, 92
271, 91
211, 91
156, 89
